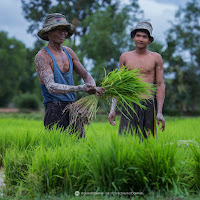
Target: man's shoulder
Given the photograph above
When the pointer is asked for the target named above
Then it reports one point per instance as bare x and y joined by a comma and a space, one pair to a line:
154, 54
70, 51
127, 53
40, 53
67, 48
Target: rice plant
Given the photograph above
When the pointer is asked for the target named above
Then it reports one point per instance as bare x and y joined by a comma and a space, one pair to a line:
124, 85
56, 163
16, 164
83, 110
195, 181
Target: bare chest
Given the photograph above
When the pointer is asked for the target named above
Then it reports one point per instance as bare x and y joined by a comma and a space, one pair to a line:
145, 64
62, 61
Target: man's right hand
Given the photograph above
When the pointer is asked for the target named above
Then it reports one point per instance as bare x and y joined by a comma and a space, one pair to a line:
92, 89
100, 91
89, 88
111, 118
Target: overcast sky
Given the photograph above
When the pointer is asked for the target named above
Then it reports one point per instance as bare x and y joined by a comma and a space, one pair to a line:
158, 12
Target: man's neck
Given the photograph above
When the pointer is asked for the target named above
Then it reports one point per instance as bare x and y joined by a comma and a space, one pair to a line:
55, 46
141, 51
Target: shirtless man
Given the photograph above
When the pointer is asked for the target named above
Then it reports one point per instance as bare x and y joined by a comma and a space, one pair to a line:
54, 65
151, 66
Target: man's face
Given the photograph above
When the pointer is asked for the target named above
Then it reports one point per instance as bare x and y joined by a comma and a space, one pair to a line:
141, 39
58, 34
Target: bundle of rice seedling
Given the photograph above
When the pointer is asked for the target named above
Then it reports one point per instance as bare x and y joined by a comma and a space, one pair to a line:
83, 110
125, 85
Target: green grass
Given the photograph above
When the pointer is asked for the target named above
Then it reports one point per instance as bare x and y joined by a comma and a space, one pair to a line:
41, 164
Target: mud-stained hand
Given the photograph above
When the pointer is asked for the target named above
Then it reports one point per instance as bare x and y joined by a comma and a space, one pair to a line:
111, 118
161, 119
89, 88
100, 91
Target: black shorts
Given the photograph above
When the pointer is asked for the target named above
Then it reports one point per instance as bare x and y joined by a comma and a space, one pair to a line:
144, 121
54, 116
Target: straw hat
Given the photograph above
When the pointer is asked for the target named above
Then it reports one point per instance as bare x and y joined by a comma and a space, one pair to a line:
143, 25
52, 21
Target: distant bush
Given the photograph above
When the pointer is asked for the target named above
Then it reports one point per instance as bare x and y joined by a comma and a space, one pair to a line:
27, 101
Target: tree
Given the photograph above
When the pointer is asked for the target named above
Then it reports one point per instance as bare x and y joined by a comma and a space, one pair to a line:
76, 11
13, 61
31, 81
182, 57
106, 39
101, 28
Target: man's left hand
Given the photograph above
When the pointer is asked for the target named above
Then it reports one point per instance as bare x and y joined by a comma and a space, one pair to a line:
161, 119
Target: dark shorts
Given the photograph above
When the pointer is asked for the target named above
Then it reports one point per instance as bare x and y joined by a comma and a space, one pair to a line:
144, 121
54, 116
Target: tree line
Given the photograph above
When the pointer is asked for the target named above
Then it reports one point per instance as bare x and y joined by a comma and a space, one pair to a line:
102, 35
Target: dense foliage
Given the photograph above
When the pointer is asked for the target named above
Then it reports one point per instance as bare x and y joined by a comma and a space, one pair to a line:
182, 59
12, 65
17, 69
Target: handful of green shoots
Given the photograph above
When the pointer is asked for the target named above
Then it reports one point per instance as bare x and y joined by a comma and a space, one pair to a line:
125, 85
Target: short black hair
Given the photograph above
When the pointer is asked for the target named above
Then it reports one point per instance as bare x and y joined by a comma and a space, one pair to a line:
141, 30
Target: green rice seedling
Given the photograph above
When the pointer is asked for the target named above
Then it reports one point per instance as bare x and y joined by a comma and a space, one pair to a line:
17, 132
195, 181
16, 164
57, 163
108, 160
58, 168
154, 166
83, 110
124, 85
127, 87
183, 168
182, 133
56, 137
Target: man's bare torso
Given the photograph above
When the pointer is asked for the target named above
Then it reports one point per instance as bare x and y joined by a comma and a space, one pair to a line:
145, 62
60, 57
61, 60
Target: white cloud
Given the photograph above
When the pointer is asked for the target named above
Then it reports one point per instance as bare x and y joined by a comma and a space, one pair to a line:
13, 21
159, 14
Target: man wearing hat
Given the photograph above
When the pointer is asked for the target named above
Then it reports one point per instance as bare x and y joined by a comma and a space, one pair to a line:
54, 65
151, 66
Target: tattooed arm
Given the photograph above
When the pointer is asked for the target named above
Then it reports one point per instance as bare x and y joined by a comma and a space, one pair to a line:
45, 75
80, 70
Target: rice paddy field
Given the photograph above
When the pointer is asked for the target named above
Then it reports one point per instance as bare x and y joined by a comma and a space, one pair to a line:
40, 164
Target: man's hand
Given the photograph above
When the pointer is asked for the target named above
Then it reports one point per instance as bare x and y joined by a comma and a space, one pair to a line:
100, 91
92, 89
161, 119
89, 88
111, 118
